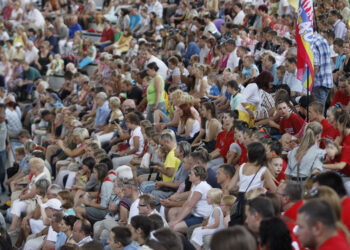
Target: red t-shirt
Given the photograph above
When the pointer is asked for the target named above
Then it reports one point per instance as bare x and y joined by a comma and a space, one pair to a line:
107, 35
329, 131
340, 97
282, 176
295, 240
244, 155
292, 125
223, 142
345, 217
336, 242
293, 211
346, 141
343, 157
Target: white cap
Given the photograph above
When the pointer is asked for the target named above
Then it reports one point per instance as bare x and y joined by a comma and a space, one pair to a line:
53, 203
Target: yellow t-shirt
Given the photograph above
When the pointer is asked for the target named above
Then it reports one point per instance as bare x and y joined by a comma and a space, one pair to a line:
171, 162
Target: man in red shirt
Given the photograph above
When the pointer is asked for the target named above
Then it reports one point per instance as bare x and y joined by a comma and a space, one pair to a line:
290, 123
107, 37
317, 227
342, 95
290, 193
334, 181
316, 114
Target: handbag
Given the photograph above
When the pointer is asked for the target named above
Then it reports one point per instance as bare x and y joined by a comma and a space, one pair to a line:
237, 218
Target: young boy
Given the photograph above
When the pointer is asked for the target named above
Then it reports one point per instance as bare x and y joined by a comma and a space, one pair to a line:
290, 123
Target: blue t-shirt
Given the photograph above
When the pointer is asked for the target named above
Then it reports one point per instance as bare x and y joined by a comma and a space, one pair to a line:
227, 95
214, 91
73, 29
134, 21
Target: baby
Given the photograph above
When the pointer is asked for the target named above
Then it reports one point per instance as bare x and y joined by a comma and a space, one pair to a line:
56, 66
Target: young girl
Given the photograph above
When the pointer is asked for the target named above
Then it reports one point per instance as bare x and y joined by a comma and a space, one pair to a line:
250, 70
337, 158
276, 166
215, 222
57, 66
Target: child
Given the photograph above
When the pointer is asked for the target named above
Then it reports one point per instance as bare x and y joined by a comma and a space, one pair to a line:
338, 158
214, 90
56, 67
250, 70
234, 90
276, 167
290, 122
280, 71
215, 222
226, 204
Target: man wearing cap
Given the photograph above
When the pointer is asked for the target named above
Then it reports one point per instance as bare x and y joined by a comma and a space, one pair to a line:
49, 212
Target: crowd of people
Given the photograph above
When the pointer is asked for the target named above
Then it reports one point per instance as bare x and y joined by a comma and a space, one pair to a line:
184, 126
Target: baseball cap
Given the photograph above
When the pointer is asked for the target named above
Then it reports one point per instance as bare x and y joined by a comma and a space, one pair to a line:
53, 203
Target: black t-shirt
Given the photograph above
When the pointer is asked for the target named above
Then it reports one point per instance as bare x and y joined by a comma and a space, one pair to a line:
211, 179
135, 94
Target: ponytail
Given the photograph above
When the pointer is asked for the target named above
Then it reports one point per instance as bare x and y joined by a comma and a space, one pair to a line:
309, 139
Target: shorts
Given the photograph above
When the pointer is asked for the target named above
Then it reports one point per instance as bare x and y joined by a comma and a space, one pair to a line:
193, 220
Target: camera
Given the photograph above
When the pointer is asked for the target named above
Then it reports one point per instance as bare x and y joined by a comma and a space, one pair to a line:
115, 121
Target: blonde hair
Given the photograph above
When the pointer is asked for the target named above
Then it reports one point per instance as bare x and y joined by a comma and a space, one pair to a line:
115, 102
176, 95
187, 98
145, 124
312, 130
82, 133
228, 200
38, 163
253, 193
215, 195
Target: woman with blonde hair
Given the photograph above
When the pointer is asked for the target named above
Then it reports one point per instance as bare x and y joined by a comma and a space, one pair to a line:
307, 158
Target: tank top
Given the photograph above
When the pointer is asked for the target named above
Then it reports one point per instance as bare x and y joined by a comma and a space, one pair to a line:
245, 180
218, 130
195, 128
152, 92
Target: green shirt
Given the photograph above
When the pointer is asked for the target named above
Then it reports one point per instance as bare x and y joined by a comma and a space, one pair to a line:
152, 92
235, 100
31, 74
117, 36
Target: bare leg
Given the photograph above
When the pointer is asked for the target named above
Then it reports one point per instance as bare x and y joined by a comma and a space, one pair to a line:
181, 227
173, 213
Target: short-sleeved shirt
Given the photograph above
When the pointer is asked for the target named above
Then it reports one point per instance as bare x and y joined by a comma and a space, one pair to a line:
328, 130
171, 161
322, 59
336, 242
344, 157
102, 114
31, 74
106, 193
202, 208
292, 125
341, 98
345, 217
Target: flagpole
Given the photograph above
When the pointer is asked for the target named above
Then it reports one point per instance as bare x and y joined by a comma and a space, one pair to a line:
307, 91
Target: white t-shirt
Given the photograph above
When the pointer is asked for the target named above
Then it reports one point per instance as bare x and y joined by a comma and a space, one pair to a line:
31, 55
163, 69
4, 36
137, 132
210, 29
134, 210
202, 208
51, 235
233, 60
239, 18
250, 95
36, 15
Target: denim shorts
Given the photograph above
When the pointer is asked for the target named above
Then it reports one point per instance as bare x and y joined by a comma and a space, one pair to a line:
191, 220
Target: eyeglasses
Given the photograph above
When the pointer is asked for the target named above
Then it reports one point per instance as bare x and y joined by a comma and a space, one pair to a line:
142, 205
